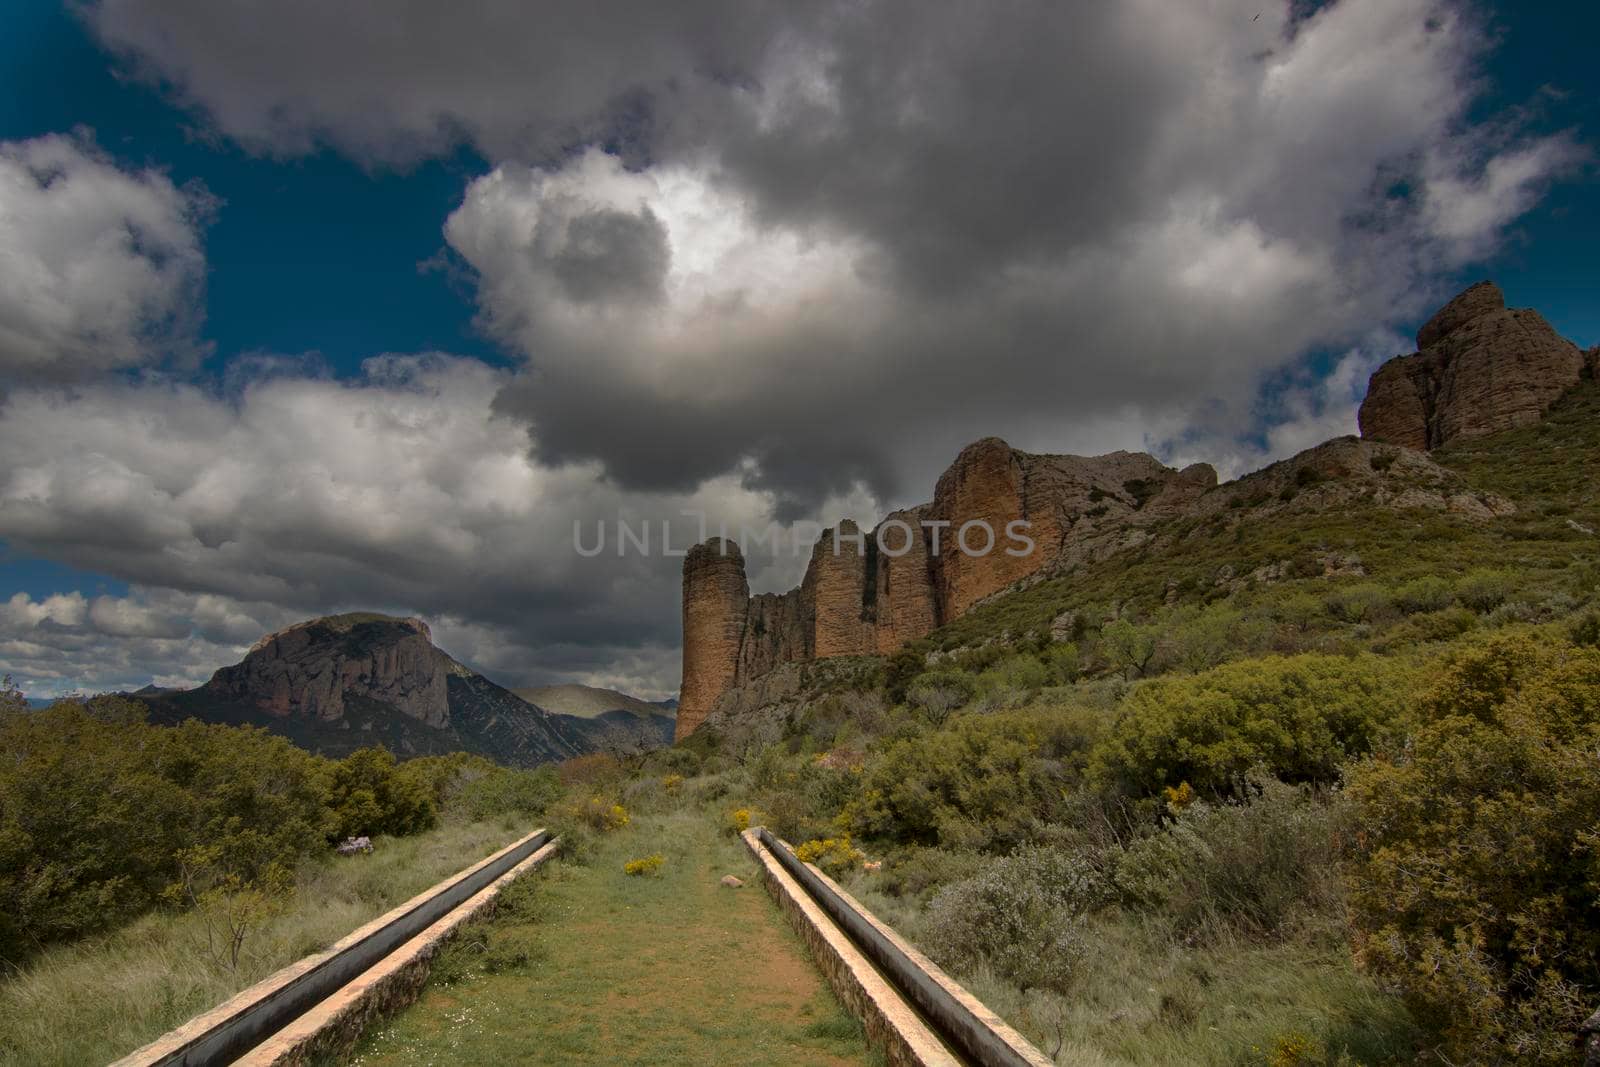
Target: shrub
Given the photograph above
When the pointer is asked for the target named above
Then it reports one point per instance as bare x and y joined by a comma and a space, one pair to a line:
1021, 916
1473, 894
737, 821
939, 693
503, 791
1357, 603
599, 814
587, 772
1586, 631
1062, 663
370, 794
1483, 590
835, 855
648, 865
917, 870
1245, 865
1430, 593
1298, 717
982, 782
96, 804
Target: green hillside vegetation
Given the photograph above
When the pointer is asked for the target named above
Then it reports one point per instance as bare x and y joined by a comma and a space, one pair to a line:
1221, 799
104, 817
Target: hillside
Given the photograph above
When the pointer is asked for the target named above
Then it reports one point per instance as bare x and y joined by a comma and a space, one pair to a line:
1300, 772
587, 701
336, 684
1174, 552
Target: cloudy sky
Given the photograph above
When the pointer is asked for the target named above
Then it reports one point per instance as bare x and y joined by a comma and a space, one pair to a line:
310, 307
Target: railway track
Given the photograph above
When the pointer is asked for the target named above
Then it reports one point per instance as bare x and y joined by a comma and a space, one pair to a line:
320, 1003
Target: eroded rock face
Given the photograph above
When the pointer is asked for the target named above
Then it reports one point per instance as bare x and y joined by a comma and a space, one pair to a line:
869, 592
716, 608
312, 669
1480, 368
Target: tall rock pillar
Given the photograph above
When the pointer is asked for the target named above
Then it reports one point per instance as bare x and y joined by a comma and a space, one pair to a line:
716, 602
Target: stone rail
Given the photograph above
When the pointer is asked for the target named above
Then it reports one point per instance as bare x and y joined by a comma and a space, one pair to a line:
396, 945
910, 1008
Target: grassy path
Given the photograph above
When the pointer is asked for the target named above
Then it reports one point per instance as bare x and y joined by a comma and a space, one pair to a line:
666, 969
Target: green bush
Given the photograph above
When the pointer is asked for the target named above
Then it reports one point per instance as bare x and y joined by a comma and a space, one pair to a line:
1480, 853
504, 791
981, 782
371, 794
1483, 590
1430, 593
96, 807
1244, 866
1022, 916
1298, 717
1365, 602
939, 693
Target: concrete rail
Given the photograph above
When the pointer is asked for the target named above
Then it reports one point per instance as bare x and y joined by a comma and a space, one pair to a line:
969, 1031
245, 1020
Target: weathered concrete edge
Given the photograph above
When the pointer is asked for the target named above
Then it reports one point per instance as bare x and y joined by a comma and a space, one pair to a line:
337, 1023
175, 1041
891, 1023
1019, 1044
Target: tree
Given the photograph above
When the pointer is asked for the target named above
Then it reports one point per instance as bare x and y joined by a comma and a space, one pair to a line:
1128, 647
11, 698
938, 694
628, 742
1473, 893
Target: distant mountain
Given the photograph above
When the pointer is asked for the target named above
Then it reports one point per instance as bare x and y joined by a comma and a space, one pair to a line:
587, 701
343, 682
620, 713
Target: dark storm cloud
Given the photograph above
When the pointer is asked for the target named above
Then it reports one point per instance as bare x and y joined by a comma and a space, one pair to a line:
612, 256
772, 258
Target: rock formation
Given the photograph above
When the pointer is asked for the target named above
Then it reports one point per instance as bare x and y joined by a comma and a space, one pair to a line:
344, 682
313, 668
716, 607
1480, 368
998, 516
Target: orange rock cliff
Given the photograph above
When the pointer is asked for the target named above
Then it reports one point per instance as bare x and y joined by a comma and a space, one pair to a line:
871, 591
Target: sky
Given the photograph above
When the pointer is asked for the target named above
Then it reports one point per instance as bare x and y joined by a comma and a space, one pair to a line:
319, 307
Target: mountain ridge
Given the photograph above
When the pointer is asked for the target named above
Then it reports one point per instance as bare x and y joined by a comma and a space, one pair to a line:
336, 683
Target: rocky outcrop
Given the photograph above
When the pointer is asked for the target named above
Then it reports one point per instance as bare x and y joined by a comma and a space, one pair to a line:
315, 668
344, 682
716, 608
998, 517
1480, 368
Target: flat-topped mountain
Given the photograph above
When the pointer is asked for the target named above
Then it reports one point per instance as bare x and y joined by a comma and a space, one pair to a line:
343, 682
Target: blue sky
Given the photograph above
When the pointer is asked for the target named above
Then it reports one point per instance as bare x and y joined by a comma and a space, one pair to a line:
363, 199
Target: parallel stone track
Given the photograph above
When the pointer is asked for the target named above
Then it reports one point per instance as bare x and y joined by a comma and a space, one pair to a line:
319, 1006
312, 1006
911, 1009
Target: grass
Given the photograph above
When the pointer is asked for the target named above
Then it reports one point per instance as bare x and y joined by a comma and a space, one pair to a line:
1149, 999
100, 998
672, 968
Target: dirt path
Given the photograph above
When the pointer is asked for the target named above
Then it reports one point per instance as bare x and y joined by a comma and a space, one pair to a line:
670, 969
